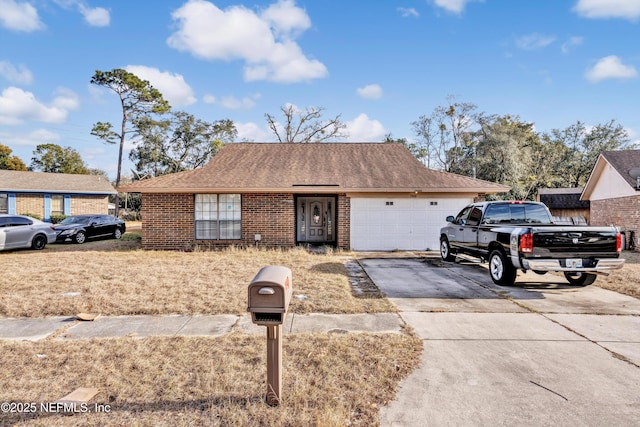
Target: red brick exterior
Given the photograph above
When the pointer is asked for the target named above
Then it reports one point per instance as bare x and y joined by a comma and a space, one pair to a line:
623, 212
168, 222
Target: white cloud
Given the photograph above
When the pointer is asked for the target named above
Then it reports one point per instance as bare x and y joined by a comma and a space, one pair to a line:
534, 41
625, 9
610, 67
33, 138
172, 86
20, 75
454, 6
407, 12
19, 16
233, 103
363, 129
96, 16
209, 99
373, 91
573, 41
263, 41
288, 20
18, 106
252, 132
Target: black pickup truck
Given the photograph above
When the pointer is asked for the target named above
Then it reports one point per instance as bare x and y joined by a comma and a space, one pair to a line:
514, 236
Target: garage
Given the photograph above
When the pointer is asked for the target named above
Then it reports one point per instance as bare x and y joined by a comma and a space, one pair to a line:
393, 223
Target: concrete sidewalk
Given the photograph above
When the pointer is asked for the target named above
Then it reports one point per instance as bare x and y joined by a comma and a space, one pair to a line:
70, 328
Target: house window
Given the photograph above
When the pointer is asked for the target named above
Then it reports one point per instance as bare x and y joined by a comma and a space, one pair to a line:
218, 216
57, 204
4, 203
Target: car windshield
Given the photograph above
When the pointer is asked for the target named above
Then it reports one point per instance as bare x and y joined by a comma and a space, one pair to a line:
76, 220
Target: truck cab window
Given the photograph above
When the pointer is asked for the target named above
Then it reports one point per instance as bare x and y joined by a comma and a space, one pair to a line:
537, 214
474, 216
498, 213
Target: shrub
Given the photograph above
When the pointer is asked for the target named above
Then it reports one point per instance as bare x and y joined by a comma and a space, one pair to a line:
56, 218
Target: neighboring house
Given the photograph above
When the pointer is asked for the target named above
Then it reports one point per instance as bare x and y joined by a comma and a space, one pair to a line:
565, 205
363, 196
613, 191
45, 194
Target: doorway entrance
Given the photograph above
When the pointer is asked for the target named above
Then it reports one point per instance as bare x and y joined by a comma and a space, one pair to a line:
315, 220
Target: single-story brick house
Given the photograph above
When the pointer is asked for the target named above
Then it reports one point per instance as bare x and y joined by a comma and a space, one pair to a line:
45, 194
363, 196
613, 190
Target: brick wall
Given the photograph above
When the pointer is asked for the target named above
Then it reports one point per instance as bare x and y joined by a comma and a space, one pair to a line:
89, 205
623, 212
30, 204
344, 222
168, 222
80, 204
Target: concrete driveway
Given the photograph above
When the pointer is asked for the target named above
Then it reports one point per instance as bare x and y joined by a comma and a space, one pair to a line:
536, 353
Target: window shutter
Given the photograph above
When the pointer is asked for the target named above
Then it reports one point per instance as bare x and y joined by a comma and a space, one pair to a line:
47, 208
12, 204
67, 204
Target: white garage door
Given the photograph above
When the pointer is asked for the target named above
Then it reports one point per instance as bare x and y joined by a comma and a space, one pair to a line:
385, 224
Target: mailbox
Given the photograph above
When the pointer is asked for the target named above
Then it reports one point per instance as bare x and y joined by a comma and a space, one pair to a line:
269, 295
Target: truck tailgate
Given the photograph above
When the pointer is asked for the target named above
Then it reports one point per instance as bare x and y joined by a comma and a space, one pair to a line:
562, 241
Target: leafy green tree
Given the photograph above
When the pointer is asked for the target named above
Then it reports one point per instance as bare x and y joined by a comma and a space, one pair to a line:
179, 143
56, 159
138, 99
306, 126
504, 149
582, 146
9, 162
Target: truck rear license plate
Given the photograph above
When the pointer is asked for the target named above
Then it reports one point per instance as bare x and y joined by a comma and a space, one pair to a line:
573, 262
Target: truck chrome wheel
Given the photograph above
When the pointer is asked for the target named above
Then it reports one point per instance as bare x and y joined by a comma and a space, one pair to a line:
445, 250
501, 271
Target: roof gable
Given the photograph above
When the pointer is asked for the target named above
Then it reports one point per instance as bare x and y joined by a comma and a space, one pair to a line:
620, 163
316, 167
43, 182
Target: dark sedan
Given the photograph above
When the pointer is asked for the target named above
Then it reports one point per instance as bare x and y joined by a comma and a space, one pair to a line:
79, 228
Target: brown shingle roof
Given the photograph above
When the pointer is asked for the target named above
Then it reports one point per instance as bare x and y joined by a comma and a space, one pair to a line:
624, 161
318, 168
42, 182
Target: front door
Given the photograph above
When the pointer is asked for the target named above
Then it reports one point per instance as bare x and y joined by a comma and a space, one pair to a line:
316, 219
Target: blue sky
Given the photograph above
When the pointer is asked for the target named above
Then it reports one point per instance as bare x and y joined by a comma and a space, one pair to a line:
379, 64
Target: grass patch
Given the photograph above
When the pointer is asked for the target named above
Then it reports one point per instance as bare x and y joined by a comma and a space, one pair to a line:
328, 379
627, 279
116, 277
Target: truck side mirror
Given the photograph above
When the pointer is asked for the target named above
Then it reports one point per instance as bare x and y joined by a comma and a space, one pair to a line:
450, 218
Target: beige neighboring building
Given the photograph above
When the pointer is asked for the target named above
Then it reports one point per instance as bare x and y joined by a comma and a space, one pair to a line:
45, 194
360, 196
613, 190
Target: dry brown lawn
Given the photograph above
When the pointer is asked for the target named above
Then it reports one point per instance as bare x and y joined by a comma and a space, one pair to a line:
118, 278
626, 280
328, 379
